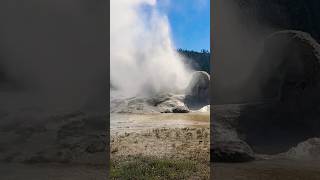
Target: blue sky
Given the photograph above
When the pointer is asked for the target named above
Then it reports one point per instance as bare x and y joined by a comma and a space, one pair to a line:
189, 21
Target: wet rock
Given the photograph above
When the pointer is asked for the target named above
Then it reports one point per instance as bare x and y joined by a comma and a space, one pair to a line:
180, 109
174, 104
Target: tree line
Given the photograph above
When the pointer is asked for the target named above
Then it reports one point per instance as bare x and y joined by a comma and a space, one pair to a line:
199, 61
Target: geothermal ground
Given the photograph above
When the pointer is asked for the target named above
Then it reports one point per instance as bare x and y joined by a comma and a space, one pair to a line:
160, 140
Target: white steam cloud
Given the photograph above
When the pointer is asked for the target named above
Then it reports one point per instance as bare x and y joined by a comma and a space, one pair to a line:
143, 58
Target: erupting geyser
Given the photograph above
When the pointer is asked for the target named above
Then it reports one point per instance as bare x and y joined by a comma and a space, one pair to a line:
143, 59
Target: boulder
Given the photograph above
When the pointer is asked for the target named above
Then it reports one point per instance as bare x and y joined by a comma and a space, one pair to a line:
180, 109
205, 109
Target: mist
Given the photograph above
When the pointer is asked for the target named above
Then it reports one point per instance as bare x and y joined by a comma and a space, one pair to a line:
53, 54
143, 58
237, 46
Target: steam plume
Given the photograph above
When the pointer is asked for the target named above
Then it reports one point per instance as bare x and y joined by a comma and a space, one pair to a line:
143, 58
237, 46
55, 51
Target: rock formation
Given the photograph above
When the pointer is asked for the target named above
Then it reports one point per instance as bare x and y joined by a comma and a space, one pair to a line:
289, 81
307, 150
197, 92
276, 104
287, 110
161, 103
